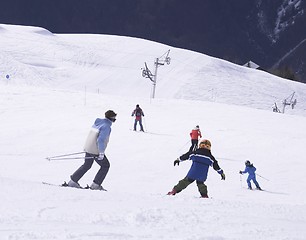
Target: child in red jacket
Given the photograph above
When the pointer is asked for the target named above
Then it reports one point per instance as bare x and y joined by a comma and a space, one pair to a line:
195, 134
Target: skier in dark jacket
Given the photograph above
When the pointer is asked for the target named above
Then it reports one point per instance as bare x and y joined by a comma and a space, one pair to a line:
250, 169
201, 159
138, 117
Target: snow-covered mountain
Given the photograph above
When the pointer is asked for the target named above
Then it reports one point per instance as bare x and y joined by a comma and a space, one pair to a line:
238, 31
95, 63
282, 23
285, 15
53, 86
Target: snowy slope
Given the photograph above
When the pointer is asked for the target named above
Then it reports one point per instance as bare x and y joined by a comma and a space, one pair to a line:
45, 112
112, 65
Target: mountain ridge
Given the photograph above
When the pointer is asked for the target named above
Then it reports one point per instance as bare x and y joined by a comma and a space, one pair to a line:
237, 31
113, 65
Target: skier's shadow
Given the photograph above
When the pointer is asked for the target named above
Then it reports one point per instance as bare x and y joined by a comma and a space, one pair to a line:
160, 134
279, 193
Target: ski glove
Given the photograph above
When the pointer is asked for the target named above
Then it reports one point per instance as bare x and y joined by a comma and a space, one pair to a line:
101, 156
177, 161
222, 176
240, 172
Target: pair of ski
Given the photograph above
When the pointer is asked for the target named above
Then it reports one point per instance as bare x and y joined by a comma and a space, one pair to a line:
65, 184
255, 189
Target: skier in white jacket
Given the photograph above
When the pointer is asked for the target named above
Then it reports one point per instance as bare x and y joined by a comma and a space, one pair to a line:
94, 148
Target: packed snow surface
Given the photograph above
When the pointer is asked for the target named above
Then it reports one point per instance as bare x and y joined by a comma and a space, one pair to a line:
53, 87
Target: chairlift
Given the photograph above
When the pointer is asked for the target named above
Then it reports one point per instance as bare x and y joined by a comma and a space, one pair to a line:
275, 108
158, 62
289, 102
147, 73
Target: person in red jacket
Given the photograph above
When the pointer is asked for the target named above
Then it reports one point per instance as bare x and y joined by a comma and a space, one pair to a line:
195, 134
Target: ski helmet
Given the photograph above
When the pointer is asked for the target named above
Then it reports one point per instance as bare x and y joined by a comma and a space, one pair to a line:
247, 163
205, 144
111, 115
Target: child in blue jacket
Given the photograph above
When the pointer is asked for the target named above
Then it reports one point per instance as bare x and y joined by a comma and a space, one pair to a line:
250, 169
201, 159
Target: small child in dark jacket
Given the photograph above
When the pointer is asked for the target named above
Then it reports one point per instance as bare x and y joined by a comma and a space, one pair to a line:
138, 117
201, 159
250, 169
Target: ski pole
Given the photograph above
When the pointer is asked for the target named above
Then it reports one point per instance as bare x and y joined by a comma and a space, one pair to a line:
184, 145
240, 181
144, 123
262, 177
132, 123
65, 155
68, 158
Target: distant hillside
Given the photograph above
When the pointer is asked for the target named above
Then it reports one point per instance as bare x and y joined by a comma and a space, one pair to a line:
235, 30
112, 65
296, 58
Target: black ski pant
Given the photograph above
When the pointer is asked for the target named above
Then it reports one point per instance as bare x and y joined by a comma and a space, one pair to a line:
194, 145
182, 184
89, 159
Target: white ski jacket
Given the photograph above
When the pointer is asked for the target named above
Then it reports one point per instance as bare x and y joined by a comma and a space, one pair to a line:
98, 136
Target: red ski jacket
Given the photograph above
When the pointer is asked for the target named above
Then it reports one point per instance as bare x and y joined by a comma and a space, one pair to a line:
195, 134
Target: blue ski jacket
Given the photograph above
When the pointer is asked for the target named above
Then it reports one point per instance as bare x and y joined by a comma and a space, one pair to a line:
201, 159
98, 136
250, 170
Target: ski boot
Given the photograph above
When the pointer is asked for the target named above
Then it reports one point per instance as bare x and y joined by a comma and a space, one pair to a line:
73, 184
172, 192
95, 186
